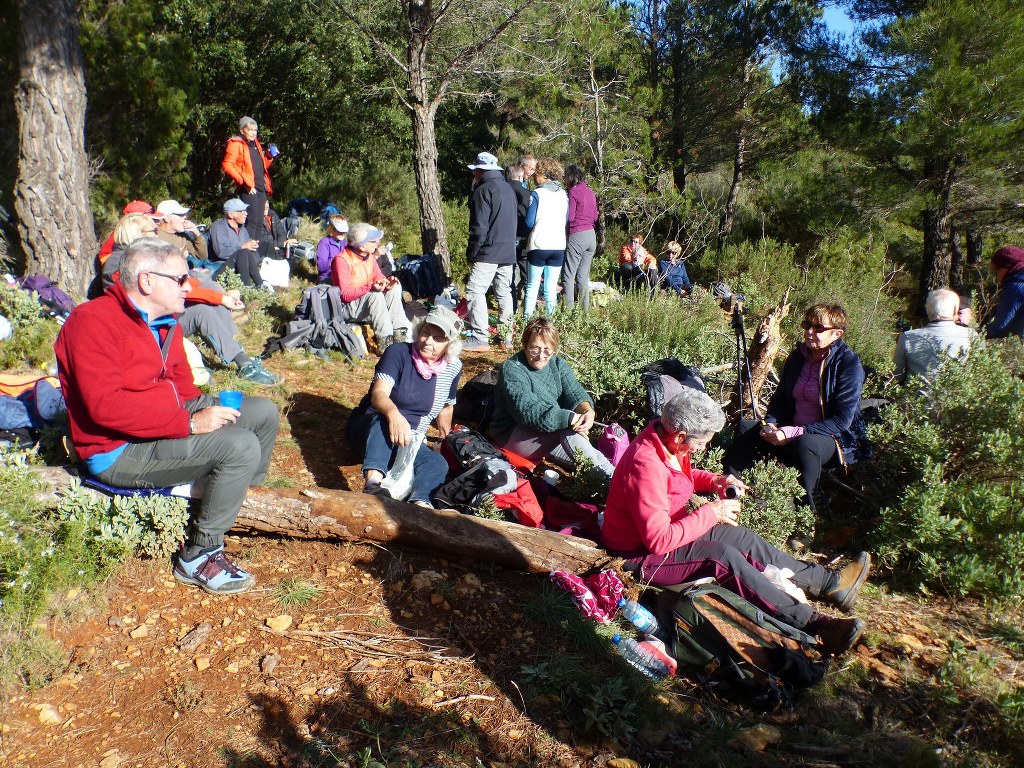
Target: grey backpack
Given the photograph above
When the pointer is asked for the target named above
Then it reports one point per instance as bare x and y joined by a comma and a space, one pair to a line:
320, 325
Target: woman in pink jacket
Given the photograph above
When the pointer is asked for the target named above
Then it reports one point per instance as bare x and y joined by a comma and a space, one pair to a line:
648, 522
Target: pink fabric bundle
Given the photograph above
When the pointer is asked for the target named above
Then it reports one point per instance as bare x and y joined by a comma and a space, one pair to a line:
597, 596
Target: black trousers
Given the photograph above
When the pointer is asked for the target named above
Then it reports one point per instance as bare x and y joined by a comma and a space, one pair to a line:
808, 454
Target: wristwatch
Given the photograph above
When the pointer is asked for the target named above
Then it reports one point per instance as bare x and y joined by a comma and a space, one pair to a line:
191, 425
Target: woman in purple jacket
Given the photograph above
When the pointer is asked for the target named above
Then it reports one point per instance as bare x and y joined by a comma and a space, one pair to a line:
582, 242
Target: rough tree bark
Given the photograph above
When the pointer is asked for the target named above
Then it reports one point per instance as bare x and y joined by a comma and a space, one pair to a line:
51, 196
739, 162
937, 225
342, 515
765, 345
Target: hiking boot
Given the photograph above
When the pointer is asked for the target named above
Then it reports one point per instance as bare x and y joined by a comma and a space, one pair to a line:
836, 635
476, 345
255, 372
212, 571
384, 343
845, 584
401, 335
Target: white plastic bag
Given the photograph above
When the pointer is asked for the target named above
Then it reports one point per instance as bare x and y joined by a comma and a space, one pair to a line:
275, 272
780, 577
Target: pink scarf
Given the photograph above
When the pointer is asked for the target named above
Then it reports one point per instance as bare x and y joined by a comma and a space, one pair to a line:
424, 367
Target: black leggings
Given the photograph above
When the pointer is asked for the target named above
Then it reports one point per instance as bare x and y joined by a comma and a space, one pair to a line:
807, 453
247, 264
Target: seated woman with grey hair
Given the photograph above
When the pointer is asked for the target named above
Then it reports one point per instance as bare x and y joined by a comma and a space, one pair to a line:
648, 522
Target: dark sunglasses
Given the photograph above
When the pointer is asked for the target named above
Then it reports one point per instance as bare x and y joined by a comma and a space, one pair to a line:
817, 327
181, 280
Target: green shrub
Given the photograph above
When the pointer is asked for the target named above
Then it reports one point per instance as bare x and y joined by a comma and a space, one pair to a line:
768, 509
32, 341
951, 458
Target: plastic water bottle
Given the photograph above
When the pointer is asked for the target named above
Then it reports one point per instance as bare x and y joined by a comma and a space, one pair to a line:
659, 646
644, 659
638, 616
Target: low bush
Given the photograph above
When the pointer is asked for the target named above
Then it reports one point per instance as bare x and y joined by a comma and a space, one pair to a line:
951, 459
31, 343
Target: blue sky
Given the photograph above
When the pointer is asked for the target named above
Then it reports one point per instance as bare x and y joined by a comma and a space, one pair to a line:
837, 20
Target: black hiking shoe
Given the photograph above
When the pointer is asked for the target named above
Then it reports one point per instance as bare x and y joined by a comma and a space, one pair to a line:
846, 584
837, 636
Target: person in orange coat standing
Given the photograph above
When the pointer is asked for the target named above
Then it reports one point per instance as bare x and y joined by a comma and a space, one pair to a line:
247, 163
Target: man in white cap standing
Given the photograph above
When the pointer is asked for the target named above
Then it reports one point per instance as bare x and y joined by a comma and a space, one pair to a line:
491, 249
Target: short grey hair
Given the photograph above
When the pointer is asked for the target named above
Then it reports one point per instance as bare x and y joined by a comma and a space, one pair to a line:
942, 304
692, 412
145, 254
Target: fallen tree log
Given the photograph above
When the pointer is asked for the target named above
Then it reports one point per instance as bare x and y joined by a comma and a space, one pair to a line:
328, 515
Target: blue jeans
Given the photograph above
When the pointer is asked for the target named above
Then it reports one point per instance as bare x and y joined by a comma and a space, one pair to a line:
548, 263
429, 470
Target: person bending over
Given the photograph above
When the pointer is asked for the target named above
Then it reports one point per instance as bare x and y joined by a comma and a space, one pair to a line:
540, 409
138, 421
647, 521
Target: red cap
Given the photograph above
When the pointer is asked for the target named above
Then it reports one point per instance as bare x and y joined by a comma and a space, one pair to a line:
137, 206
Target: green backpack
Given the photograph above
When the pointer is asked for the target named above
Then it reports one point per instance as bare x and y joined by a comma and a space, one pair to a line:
734, 642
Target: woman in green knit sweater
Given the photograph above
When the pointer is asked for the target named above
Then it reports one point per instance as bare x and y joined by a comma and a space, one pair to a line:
540, 409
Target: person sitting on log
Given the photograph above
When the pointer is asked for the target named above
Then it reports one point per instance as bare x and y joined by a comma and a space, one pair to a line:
637, 265
413, 385
672, 271
540, 409
138, 421
647, 521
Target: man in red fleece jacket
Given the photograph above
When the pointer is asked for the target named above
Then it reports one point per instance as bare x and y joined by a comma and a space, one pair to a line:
138, 421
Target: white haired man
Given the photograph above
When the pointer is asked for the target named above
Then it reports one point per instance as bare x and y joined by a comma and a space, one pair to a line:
921, 351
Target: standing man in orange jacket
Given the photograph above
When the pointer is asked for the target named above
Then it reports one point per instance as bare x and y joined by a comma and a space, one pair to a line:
248, 165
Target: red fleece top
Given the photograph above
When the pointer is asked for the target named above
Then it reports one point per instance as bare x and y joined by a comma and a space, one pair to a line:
116, 385
647, 500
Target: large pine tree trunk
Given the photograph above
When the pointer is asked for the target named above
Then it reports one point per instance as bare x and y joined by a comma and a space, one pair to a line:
938, 229
55, 222
433, 234
739, 163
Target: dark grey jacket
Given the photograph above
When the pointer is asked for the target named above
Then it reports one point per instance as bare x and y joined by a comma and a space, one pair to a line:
492, 221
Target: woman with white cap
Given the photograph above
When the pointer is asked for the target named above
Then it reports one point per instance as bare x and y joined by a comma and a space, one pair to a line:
414, 384
366, 293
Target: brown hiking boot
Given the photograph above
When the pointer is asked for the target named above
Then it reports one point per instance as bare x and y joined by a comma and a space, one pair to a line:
836, 635
846, 584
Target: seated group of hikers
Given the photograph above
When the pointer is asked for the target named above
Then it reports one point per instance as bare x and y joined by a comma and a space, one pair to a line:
138, 420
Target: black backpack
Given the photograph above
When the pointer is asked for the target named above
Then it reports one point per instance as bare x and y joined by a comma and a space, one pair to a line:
475, 402
734, 642
467, 491
421, 276
664, 379
320, 325
463, 449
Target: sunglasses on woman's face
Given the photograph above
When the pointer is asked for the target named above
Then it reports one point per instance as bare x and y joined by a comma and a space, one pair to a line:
817, 327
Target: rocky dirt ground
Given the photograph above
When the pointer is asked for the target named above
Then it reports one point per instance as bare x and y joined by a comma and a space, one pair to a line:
402, 658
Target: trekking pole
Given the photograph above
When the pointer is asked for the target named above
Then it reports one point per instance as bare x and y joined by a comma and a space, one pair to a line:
742, 358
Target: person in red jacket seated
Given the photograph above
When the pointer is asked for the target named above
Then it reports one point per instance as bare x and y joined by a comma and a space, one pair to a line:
648, 522
138, 421
367, 294
247, 164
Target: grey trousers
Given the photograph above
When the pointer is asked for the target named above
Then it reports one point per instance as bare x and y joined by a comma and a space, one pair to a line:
482, 277
384, 311
580, 248
215, 325
556, 447
232, 458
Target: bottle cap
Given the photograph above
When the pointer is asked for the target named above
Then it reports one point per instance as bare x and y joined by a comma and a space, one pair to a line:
616, 639
622, 601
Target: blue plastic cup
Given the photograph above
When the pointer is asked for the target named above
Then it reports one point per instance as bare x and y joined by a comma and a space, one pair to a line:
230, 398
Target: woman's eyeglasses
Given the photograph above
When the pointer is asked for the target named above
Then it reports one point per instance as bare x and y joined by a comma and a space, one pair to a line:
817, 327
181, 280
540, 351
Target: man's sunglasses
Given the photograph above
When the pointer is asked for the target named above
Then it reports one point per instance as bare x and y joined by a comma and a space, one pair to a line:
817, 327
181, 280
